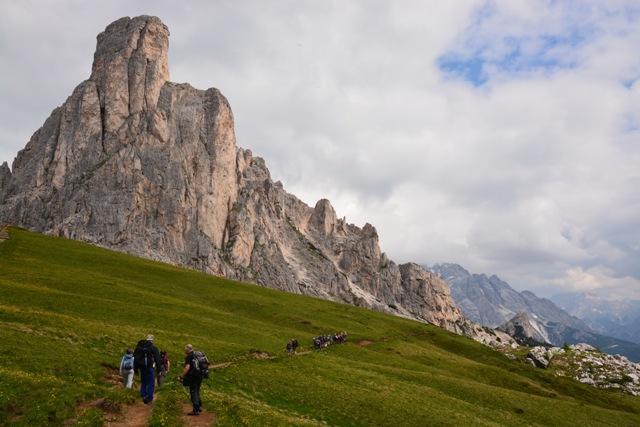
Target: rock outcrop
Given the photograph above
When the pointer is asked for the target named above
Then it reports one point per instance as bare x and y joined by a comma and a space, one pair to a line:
136, 163
588, 365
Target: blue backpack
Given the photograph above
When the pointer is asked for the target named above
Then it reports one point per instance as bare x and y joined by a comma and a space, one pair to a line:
127, 365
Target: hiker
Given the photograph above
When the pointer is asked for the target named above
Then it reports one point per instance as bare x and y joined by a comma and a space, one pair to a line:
126, 369
191, 378
146, 355
289, 347
294, 345
166, 364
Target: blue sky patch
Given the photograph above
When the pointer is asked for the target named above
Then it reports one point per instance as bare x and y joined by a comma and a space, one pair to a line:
469, 69
486, 50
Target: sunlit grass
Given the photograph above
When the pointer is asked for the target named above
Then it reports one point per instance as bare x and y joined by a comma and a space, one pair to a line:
69, 310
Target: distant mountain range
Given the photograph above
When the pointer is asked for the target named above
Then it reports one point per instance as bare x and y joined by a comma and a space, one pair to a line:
616, 318
493, 302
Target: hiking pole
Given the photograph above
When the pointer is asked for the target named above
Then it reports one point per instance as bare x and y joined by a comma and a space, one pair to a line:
185, 392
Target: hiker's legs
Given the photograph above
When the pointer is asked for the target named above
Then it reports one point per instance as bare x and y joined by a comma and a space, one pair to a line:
128, 378
148, 380
143, 383
152, 385
194, 389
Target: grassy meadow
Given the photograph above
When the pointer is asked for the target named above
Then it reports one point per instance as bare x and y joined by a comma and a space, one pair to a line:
69, 310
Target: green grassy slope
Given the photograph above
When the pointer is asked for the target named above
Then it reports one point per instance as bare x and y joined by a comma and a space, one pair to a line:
68, 311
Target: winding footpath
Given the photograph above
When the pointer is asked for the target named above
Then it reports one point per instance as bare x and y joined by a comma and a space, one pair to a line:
138, 414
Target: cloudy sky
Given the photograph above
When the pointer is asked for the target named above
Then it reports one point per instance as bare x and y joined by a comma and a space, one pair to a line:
500, 135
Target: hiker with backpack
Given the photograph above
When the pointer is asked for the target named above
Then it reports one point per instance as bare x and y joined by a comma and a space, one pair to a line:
164, 370
146, 355
196, 367
126, 369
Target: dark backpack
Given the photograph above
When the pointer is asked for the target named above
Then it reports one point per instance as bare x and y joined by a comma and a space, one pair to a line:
127, 365
201, 364
164, 358
143, 355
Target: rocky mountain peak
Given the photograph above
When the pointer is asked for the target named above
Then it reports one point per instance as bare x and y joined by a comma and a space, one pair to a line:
526, 331
130, 66
446, 270
324, 218
136, 163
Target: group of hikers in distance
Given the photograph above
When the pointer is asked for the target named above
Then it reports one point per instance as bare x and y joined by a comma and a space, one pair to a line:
323, 341
319, 342
292, 346
152, 363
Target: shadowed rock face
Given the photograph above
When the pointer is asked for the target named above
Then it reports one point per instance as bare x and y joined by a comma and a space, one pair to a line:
136, 163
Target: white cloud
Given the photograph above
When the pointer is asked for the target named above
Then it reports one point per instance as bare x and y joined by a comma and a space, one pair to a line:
599, 280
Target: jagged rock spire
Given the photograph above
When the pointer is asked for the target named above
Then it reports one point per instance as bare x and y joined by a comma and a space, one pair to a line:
130, 160
130, 66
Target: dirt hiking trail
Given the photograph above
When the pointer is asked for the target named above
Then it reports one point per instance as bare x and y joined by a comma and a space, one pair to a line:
138, 416
135, 416
205, 419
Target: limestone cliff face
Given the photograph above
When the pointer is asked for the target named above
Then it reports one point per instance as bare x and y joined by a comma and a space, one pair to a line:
136, 163
131, 161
